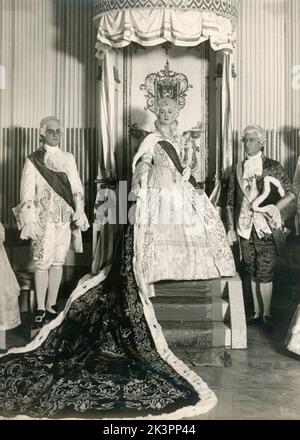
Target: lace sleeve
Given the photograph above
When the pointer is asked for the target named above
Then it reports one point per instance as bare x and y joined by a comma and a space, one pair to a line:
147, 158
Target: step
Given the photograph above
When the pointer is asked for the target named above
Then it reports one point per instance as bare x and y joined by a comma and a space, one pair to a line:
190, 309
186, 288
185, 299
195, 357
196, 335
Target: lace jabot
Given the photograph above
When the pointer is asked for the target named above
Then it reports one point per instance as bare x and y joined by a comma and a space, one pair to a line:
253, 166
54, 158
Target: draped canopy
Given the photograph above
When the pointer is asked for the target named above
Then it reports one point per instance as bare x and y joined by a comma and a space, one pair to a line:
183, 23
152, 22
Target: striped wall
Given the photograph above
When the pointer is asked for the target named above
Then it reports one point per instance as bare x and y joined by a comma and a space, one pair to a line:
47, 49
268, 49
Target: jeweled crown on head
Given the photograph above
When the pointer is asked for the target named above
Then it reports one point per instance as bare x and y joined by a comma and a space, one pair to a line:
165, 87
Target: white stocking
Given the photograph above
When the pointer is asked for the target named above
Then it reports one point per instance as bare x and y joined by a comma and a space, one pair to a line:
254, 288
41, 285
266, 290
55, 275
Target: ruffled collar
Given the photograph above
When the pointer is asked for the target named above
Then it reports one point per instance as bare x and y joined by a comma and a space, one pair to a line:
54, 158
253, 166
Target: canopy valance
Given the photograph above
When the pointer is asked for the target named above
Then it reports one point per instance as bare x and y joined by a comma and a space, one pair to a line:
152, 22
226, 7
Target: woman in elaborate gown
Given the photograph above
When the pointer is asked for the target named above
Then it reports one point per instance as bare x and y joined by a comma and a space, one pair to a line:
9, 291
105, 354
179, 234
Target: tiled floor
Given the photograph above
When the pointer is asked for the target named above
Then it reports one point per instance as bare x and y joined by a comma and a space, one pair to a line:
263, 382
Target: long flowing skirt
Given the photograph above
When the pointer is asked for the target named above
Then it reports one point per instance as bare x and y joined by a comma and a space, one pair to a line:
9, 293
104, 355
180, 236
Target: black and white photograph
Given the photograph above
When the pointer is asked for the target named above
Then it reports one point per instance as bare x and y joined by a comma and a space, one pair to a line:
150, 212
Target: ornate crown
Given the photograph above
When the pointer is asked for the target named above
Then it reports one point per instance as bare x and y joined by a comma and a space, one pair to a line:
165, 84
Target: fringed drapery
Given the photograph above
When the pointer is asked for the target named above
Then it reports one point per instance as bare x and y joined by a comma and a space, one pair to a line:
119, 28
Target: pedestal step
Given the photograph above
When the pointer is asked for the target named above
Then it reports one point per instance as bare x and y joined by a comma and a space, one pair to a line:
193, 314
195, 357
190, 308
189, 288
196, 335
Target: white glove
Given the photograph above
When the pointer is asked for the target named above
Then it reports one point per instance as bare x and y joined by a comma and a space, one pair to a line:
232, 237
80, 220
186, 173
273, 216
31, 231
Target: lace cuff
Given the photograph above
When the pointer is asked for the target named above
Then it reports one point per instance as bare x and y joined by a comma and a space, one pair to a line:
25, 213
30, 230
147, 158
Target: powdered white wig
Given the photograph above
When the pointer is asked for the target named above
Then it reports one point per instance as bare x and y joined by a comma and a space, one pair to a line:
44, 122
260, 133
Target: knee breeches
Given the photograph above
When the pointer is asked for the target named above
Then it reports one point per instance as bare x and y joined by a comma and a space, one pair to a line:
51, 248
259, 256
